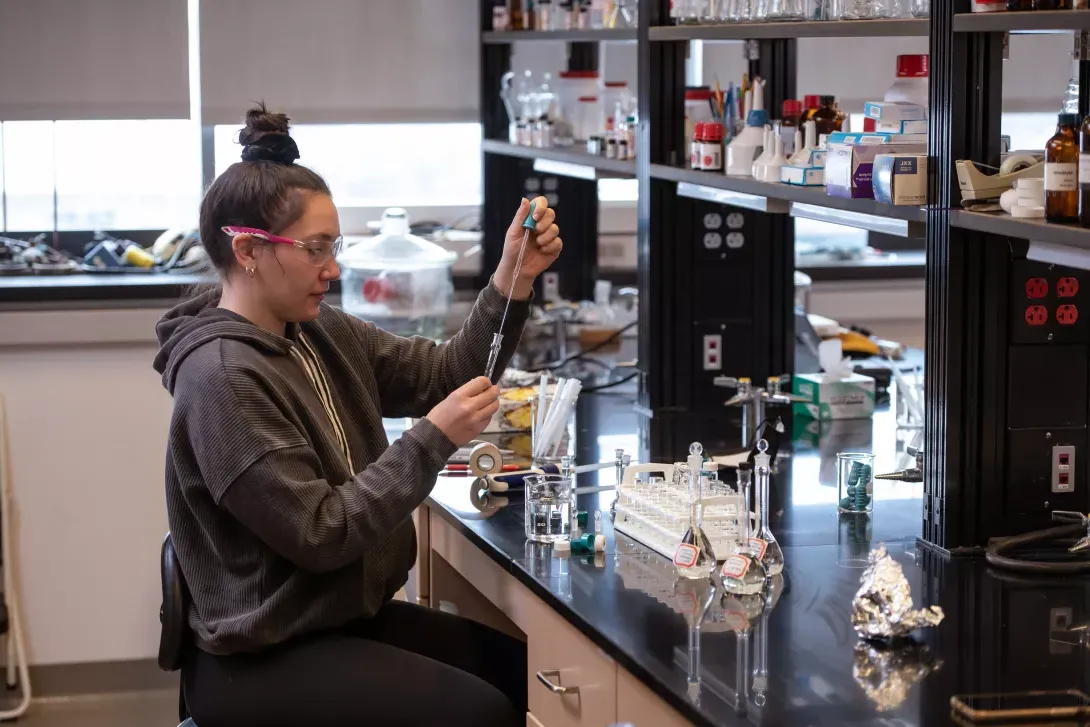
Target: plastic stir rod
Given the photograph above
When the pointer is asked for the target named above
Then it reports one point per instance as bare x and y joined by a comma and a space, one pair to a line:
497, 338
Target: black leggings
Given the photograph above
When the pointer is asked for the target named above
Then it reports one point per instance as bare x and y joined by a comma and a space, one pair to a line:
409, 666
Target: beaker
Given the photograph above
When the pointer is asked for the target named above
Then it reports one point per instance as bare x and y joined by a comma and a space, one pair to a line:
789, 9
548, 507
855, 481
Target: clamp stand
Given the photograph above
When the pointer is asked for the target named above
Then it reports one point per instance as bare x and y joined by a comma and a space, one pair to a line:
753, 400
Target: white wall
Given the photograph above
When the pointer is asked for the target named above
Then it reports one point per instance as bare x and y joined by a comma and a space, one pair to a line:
87, 434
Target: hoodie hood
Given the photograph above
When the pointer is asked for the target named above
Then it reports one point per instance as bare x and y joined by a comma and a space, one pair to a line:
197, 321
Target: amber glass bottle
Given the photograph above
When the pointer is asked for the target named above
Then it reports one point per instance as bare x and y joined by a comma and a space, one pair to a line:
1062, 172
827, 117
1084, 173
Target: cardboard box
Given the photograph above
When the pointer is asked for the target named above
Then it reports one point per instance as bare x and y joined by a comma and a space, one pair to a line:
803, 176
900, 179
849, 168
857, 138
892, 111
848, 398
918, 126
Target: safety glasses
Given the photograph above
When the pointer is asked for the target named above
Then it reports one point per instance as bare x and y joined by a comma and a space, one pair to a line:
317, 253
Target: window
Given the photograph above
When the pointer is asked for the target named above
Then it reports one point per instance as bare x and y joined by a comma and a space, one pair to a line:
1028, 130
379, 165
85, 175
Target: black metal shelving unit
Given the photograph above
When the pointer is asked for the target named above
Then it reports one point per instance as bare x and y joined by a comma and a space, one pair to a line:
716, 258
576, 157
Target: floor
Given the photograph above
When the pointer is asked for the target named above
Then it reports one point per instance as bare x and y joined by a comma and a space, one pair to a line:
152, 709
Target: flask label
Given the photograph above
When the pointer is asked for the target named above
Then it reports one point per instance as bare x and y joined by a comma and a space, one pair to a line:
757, 547
1061, 177
1084, 168
735, 566
685, 556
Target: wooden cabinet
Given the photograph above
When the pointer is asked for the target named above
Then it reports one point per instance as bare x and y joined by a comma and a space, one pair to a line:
572, 683
642, 707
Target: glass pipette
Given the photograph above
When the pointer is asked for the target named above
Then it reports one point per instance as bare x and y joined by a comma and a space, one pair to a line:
497, 338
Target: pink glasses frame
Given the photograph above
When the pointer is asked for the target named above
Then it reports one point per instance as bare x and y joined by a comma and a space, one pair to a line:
335, 248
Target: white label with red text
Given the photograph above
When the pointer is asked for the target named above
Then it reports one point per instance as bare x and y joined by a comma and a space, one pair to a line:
1061, 176
757, 548
735, 566
685, 556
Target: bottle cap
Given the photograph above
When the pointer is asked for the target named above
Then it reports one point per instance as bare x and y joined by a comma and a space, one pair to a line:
913, 66
828, 100
811, 101
698, 93
792, 107
616, 84
698, 131
562, 546
581, 518
757, 117
588, 99
1069, 119
713, 132
579, 74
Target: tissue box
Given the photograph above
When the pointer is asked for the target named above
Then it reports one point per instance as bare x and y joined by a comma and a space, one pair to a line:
848, 167
803, 176
900, 179
917, 126
892, 111
851, 397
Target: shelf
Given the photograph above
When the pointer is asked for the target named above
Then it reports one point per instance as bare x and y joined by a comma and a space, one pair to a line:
808, 29
1034, 230
570, 36
1039, 21
589, 167
807, 202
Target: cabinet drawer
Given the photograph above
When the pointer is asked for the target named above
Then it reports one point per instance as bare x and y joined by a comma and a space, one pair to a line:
640, 706
531, 721
572, 683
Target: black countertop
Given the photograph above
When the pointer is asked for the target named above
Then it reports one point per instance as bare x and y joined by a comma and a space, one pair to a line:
1000, 633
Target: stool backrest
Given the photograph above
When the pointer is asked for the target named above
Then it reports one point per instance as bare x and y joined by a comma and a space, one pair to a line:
174, 636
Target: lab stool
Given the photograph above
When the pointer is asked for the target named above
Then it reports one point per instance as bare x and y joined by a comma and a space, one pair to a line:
175, 638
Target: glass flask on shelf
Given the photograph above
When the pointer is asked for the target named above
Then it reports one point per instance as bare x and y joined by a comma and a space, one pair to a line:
694, 558
764, 546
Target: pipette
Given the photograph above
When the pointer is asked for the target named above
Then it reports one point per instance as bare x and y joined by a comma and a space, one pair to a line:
497, 338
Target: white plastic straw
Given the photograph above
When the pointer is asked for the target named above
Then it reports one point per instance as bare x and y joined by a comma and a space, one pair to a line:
563, 406
542, 408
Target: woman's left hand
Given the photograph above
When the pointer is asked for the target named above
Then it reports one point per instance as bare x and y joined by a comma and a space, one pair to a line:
542, 249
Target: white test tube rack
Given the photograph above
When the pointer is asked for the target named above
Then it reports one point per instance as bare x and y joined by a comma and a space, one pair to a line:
657, 515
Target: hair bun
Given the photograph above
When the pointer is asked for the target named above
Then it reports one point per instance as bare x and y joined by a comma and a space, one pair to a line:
266, 138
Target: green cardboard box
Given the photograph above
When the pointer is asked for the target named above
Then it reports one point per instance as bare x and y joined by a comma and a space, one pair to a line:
851, 397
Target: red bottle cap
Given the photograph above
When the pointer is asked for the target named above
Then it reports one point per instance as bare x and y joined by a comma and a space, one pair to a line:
579, 74
792, 108
913, 66
616, 84
701, 93
698, 131
811, 101
713, 132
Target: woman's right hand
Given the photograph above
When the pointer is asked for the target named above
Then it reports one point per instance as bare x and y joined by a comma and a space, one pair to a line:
464, 414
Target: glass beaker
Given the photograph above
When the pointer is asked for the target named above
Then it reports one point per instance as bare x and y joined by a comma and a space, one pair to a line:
868, 9
855, 481
789, 9
548, 507
921, 8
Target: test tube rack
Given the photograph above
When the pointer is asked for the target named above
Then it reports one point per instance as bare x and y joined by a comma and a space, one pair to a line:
656, 514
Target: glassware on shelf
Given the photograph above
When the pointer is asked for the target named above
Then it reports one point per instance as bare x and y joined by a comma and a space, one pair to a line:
548, 503
790, 9
920, 8
868, 9
855, 482
694, 558
764, 546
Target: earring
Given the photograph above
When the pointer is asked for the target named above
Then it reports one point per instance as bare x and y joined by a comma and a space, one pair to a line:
250, 272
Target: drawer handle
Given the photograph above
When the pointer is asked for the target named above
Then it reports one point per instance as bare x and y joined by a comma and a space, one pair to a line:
543, 677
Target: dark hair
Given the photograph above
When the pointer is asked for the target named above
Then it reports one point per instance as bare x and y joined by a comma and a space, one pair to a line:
264, 190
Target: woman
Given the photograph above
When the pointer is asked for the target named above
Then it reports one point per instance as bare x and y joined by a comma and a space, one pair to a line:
289, 510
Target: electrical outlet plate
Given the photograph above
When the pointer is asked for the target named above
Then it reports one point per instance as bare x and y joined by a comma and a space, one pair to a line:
1067, 314
1063, 468
1036, 315
550, 287
713, 352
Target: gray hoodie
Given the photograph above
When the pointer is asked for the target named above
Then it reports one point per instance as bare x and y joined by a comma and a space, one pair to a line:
288, 507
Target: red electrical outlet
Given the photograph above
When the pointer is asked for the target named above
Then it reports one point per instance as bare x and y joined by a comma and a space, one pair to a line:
1066, 315
1066, 287
1037, 315
1038, 287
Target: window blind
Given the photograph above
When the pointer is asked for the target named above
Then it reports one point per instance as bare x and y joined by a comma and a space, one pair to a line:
94, 59
340, 61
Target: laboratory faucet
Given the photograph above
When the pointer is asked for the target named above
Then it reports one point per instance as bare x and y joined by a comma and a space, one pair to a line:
912, 474
753, 400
